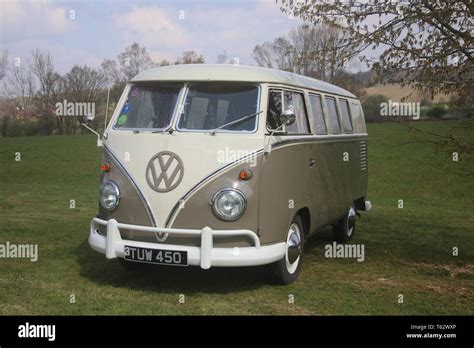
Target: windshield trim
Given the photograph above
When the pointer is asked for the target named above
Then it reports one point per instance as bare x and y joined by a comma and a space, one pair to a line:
153, 130
204, 131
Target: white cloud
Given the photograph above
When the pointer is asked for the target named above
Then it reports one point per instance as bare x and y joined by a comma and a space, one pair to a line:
20, 19
64, 58
208, 29
239, 29
152, 26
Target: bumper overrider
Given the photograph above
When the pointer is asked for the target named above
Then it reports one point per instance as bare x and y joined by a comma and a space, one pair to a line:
205, 256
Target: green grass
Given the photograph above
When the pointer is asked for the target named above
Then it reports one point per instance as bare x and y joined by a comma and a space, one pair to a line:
408, 251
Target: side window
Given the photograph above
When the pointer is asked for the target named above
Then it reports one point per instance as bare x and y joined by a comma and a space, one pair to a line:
274, 108
295, 101
318, 123
334, 125
358, 118
346, 116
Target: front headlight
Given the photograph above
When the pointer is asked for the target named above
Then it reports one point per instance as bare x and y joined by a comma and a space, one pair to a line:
228, 204
109, 195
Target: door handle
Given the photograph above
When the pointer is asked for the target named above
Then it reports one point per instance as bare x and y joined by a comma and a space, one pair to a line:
312, 162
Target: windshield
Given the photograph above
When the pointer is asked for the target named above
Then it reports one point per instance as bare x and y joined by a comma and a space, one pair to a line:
149, 106
209, 107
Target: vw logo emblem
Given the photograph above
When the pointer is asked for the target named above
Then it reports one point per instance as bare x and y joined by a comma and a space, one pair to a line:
164, 171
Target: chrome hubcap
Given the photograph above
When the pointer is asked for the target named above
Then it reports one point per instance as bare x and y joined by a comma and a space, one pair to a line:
293, 250
351, 221
294, 247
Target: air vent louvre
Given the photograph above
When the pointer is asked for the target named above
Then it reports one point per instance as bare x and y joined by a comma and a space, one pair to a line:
363, 156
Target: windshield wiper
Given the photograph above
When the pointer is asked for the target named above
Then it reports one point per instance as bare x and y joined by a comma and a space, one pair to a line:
236, 122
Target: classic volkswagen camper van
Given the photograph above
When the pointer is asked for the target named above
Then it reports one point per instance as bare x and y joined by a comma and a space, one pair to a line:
221, 165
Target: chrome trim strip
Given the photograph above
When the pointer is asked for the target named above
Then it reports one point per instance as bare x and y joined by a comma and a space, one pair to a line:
132, 180
205, 179
315, 139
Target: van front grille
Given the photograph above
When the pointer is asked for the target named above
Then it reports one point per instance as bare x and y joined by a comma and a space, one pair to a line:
363, 156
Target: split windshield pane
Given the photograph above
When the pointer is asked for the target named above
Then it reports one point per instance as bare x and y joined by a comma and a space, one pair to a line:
208, 107
149, 106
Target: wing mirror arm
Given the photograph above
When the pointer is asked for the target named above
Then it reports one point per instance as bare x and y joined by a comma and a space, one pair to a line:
287, 118
99, 141
267, 149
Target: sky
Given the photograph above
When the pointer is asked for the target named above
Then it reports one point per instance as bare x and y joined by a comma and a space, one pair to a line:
87, 32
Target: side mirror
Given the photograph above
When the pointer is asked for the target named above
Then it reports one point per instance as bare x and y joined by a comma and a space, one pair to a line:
87, 119
287, 117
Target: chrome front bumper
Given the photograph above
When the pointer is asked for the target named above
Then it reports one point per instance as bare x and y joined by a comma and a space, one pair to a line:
205, 256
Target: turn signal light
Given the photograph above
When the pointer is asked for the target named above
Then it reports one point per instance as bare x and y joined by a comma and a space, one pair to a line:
105, 167
245, 174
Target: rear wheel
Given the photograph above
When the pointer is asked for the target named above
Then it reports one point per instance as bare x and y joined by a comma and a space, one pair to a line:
288, 268
344, 229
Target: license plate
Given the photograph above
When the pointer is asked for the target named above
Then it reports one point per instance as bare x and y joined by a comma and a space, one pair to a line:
156, 256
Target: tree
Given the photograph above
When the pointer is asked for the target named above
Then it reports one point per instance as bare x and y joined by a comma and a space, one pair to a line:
371, 106
21, 86
49, 84
426, 44
222, 58
308, 50
263, 55
164, 62
190, 57
82, 84
3, 63
277, 54
111, 72
133, 60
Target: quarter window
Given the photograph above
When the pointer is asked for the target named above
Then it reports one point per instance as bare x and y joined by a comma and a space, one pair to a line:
346, 116
318, 122
282, 100
334, 125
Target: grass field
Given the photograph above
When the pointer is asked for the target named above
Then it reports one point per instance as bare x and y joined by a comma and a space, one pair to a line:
408, 251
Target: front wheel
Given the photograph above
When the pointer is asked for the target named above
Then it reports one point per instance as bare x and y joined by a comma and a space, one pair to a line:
288, 268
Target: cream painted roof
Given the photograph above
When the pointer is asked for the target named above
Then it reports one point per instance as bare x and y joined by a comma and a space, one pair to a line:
237, 73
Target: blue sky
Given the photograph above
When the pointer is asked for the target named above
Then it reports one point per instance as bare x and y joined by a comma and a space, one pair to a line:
103, 28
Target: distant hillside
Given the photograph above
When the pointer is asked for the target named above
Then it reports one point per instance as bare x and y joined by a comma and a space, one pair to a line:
396, 92
366, 78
